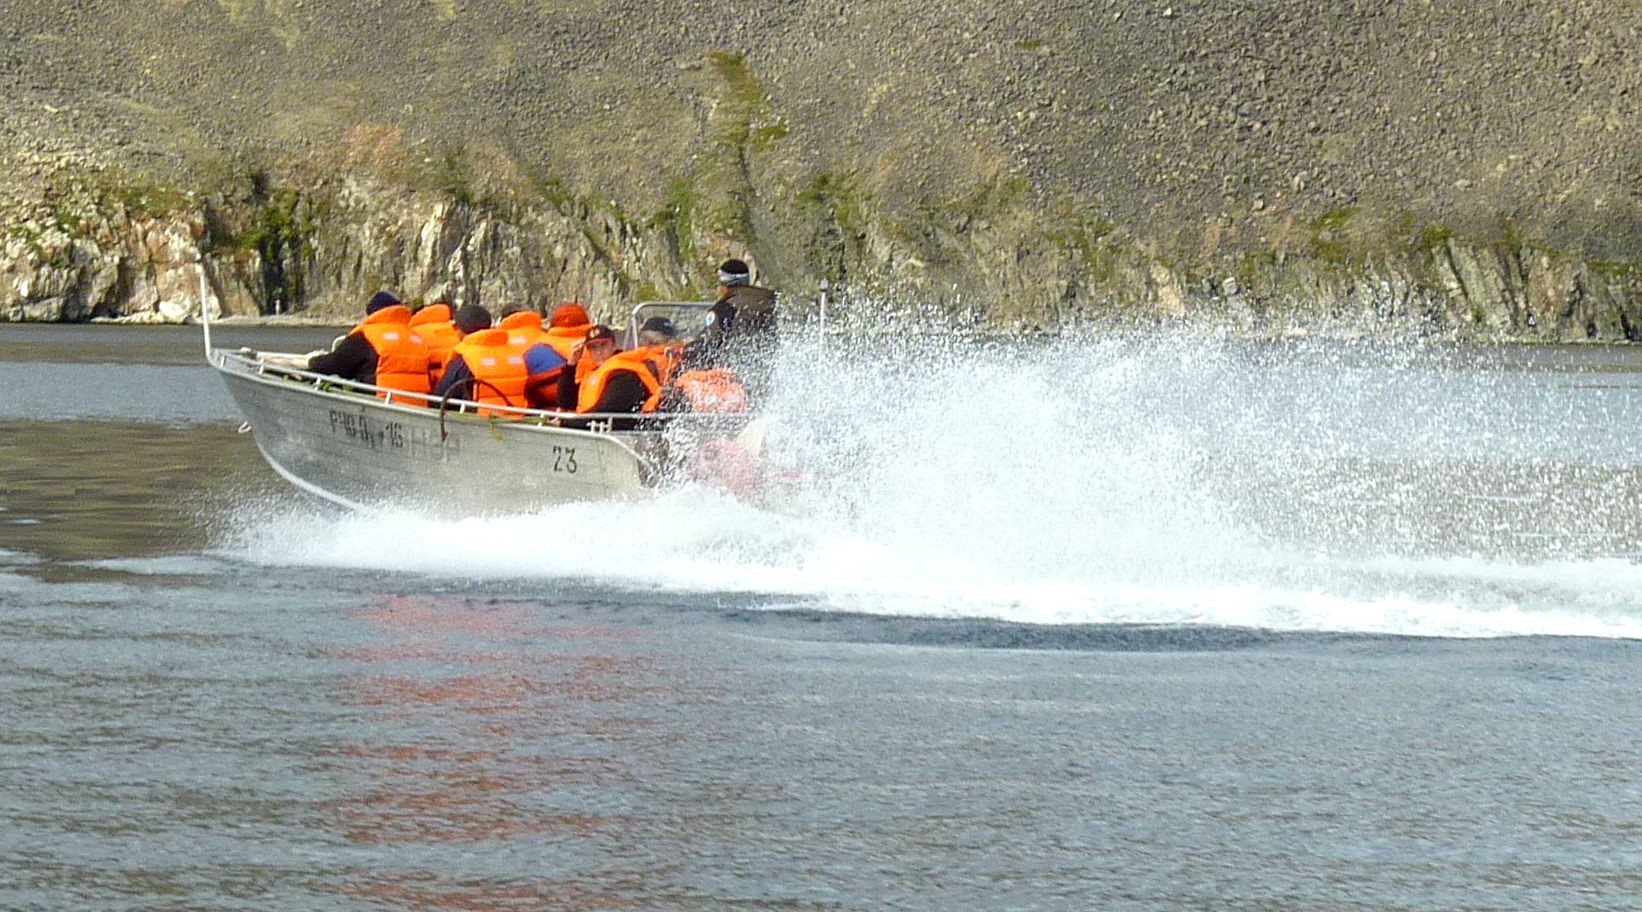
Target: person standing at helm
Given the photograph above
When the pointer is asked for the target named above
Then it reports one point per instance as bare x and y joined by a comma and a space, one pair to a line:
741, 327
382, 350
742, 310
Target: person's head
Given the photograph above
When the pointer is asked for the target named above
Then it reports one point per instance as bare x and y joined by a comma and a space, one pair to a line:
569, 314
732, 273
380, 301
657, 331
599, 344
472, 318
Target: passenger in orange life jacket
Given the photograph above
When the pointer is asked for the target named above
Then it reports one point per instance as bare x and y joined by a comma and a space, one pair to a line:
567, 327
436, 324
492, 371
564, 331
701, 388
381, 350
542, 361
522, 323
621, 381
470, 320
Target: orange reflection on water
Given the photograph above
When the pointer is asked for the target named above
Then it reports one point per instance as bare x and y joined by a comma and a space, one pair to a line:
497, 749
422, 615
417, 752
479, 694
459, 812
423, 890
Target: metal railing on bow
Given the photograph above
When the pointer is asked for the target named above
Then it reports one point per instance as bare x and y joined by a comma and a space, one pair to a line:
280, 366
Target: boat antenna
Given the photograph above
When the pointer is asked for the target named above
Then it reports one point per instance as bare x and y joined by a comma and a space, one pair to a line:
205, 310
821, 321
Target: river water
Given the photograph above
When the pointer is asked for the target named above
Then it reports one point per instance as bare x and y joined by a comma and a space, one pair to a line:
1153, 623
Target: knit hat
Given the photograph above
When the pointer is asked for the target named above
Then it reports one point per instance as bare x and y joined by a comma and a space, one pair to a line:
380, 300
570, 314
472, 318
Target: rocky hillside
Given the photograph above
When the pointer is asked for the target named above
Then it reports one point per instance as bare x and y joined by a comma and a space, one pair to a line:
1465, 169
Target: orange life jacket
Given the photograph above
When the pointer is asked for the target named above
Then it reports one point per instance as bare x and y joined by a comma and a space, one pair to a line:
401, 355
524, 328
544, 389
564, 338
498, 369
712, 391
433, 323
653, 365
525, 331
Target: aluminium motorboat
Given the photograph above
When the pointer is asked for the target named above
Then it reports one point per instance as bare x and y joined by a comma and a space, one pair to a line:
364, 447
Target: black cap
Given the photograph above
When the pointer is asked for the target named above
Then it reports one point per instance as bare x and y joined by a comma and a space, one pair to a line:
659, 325
380, 300
471, 318
600, 331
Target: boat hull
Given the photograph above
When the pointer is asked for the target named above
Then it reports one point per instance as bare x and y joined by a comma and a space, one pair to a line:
360, 452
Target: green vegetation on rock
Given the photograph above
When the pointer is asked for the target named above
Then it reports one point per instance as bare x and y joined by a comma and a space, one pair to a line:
279, 229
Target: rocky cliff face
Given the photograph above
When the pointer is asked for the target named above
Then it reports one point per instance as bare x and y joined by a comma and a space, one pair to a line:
90, 252
322, 250
1273, 166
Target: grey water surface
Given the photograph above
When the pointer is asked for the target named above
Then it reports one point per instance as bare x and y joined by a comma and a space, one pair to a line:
185, 728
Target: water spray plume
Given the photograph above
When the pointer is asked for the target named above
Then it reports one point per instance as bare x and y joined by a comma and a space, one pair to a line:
1164, 479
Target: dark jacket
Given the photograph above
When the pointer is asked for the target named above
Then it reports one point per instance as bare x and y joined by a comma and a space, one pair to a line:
740, 335
744, 312
457, 376
623, 392
352, 359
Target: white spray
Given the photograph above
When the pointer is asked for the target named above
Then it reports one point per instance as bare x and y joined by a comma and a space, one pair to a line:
1164, 480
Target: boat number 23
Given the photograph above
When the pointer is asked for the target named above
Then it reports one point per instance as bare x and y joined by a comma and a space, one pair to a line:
564, 459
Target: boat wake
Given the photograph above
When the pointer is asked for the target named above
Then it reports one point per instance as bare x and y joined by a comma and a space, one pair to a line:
1168, 481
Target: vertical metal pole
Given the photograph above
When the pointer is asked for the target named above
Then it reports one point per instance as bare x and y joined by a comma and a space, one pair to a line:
205, 310
822, 320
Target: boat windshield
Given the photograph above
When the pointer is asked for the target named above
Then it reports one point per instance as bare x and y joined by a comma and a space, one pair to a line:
689, 318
